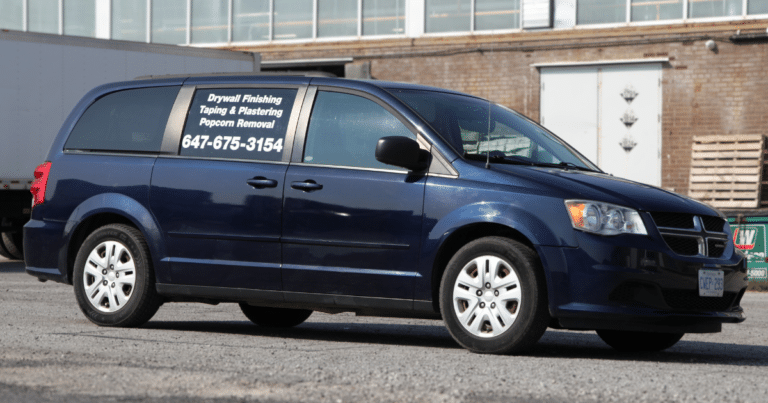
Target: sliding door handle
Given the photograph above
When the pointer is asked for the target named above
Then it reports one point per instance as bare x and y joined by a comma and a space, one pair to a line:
261, 182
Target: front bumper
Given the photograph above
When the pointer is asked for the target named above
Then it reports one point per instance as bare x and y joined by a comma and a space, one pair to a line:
634, 283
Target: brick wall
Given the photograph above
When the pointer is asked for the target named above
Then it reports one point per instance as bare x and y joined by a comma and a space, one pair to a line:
724, 92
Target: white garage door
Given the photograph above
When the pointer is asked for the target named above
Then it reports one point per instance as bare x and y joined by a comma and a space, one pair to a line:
611, 114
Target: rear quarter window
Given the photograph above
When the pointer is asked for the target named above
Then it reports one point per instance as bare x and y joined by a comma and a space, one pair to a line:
238, 123
125, 121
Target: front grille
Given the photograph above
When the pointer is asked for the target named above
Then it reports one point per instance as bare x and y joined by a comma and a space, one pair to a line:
713, 224
673, 220
692, 235
689, 300
638, 294
715, 247
682, 245
642, 294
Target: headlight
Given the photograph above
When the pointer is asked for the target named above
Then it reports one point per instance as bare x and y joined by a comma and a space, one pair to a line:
604, 218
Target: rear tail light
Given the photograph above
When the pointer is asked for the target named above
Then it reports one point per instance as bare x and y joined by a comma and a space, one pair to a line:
41, 180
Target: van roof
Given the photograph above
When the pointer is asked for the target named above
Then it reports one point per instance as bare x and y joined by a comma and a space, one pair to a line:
299, 77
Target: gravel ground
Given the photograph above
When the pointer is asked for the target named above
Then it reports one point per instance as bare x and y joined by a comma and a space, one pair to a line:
49, 352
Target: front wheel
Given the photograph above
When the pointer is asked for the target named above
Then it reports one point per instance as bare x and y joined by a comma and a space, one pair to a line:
275, 317
113, 277
627, 341
493, 296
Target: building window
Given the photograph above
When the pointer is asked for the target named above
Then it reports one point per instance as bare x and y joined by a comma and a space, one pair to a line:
457, 15
250, 20
757, 7
129, 20
336, 18
169, 21
497, 14
448, 15
12, 14
713, 8
656, 10
293, 19
241, 21
210, 21
600, 11
44, 16
383, 17
80, 18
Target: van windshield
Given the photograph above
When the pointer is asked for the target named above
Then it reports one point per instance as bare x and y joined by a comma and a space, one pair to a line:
462, 121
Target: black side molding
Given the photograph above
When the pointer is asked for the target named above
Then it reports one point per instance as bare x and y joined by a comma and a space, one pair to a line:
331, 303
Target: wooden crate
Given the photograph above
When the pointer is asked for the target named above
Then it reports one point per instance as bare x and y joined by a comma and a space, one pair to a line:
726, 171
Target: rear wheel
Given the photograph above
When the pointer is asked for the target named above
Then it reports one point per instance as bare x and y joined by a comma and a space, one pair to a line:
114, 279
4, 251
493, 296
14, 244
275, 317
639, 341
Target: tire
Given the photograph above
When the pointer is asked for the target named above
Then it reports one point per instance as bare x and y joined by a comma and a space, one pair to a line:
128, 298
275, 317
14, 244
479, 323
647, 342
4, 252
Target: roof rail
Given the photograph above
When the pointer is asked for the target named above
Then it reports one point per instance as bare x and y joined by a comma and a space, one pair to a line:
244, 74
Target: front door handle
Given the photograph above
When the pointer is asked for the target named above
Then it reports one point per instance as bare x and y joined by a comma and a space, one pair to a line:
261, 182
307, 185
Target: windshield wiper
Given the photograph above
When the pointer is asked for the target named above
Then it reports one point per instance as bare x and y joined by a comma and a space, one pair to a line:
499, 157
564, 165
571, 165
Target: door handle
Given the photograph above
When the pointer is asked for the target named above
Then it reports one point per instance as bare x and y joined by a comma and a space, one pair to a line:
261, 182
307, 185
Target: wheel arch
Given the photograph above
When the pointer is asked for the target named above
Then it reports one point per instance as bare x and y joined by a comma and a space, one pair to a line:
462, 236
511, 219
107, 209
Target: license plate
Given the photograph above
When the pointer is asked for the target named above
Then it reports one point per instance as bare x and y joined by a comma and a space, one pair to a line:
710, 283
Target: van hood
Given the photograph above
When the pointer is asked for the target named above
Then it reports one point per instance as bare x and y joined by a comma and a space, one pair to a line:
596, 186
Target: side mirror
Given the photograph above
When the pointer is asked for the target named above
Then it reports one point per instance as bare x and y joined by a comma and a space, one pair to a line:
402, 152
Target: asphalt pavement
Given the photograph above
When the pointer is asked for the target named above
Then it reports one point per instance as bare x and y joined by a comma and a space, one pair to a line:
49, 352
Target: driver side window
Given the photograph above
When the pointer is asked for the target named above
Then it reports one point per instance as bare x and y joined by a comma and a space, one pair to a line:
344, 129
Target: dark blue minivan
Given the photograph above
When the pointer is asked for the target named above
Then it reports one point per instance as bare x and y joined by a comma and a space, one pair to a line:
293, 194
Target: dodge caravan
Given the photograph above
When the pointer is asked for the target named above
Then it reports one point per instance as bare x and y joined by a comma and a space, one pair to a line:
294, 194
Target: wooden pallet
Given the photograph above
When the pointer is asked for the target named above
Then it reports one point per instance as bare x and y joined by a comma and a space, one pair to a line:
726, 171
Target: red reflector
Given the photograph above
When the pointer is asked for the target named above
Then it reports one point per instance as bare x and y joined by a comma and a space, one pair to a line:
40, 182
